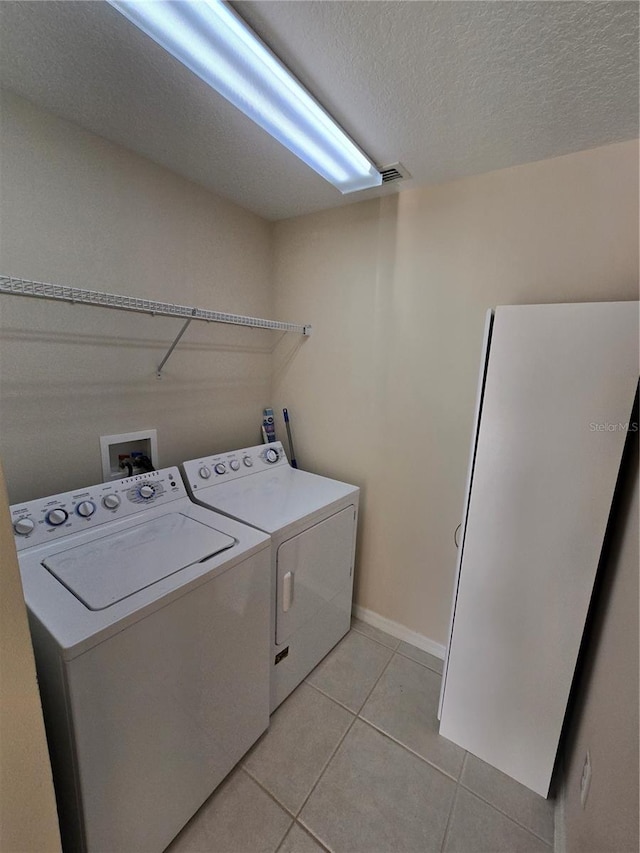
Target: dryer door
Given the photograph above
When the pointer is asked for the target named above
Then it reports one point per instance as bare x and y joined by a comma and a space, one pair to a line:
312, 568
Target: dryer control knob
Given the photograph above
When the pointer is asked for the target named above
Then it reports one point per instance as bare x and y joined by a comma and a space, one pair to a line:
24, 526
86, 509
221, 468
204, 472
56, 517
234, 465
271, 455
111, 501
146, 491
248, 461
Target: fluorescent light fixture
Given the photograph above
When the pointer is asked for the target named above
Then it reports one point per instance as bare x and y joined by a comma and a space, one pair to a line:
213, 42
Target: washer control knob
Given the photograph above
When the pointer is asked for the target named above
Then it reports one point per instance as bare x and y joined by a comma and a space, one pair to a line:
86, 509
248, 461
205, 472
24, 526
111, 501
56, 517
271, 455
146, 491
221, 468
234, 465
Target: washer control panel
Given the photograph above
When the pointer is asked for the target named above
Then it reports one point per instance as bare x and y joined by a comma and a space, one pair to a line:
51, 518
201, 473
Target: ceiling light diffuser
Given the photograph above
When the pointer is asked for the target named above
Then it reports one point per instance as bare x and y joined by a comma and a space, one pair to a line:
213, 42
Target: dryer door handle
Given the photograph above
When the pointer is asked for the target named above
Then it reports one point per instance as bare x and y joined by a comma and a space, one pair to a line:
287, 591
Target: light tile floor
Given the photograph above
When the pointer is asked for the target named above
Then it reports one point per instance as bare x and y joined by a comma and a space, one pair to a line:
353, 763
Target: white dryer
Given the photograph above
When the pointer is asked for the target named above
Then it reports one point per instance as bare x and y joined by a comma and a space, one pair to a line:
150, 621
312, 522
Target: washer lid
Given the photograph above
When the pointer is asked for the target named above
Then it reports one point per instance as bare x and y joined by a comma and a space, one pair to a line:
106, 570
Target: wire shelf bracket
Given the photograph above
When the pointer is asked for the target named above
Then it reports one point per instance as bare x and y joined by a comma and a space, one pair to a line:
62, 293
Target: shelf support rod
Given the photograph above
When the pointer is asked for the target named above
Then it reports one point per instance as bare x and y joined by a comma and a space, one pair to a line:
184, 328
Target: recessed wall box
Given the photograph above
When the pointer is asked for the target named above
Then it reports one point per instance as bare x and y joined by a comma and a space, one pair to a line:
128, 445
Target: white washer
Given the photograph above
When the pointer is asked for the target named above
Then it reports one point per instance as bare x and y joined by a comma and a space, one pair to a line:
312, 521
150, 620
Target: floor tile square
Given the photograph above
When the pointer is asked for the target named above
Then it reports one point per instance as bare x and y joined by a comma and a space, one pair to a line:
374, 633
524, 806
413, 652
349, 672
239, 817
477, 827
376, 797
404, 704
299, 841
302, 735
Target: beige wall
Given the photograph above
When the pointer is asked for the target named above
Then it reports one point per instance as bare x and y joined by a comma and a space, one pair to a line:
77, 210
382, 394
605, 720
28, 817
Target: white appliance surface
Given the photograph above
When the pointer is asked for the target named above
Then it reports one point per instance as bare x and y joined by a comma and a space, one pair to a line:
312, 569
558, 391
312, 521
150, 619
269, 496
106, 570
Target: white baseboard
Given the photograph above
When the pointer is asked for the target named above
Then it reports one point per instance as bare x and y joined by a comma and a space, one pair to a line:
399, 631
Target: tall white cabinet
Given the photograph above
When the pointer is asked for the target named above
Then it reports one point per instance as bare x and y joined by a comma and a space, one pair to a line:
556, 390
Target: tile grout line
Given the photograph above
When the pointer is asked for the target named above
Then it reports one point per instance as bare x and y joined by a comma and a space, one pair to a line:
287, 831
326, 695
340, 742
362, 634
304, 829
455, 779
397, 651
419, 662
375, 684
271, 796
445, 837
310, 833
322, 772
504, 813
461, 784
408, 749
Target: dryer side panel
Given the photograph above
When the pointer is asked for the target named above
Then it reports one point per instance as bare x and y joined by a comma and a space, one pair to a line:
312, 568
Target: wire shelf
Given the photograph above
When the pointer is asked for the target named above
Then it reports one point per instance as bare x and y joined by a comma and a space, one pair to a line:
58, 292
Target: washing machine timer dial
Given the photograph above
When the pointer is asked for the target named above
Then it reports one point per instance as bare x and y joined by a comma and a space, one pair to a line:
56, 517
271, 455
146, 491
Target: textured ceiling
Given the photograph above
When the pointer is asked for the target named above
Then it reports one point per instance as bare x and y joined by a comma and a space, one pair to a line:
447, 88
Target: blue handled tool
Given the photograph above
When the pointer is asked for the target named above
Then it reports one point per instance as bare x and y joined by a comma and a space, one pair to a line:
292, 453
